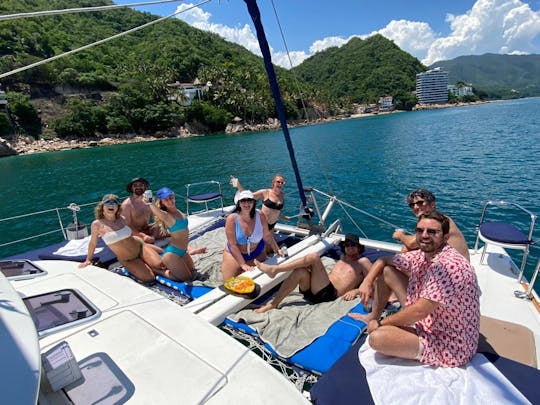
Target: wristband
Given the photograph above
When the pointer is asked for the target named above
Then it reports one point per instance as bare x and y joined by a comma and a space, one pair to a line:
379, 322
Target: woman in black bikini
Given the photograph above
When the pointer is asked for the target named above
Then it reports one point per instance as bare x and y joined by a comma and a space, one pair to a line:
273, 199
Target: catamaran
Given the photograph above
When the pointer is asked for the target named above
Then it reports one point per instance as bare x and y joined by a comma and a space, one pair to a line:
91, 335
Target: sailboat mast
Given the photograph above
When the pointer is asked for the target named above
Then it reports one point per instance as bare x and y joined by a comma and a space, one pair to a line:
255, 14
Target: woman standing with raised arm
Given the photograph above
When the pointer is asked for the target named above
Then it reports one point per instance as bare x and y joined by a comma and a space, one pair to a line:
138, 257
273, 199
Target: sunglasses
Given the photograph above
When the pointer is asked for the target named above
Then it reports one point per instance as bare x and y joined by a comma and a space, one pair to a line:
280, 182
246, 200
350, 244
110, 202
417, 203
430, 231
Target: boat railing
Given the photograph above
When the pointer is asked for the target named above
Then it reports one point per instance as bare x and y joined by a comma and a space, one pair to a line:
62, 228
322, 211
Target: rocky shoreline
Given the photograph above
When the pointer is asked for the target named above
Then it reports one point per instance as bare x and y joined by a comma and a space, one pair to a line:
25, 145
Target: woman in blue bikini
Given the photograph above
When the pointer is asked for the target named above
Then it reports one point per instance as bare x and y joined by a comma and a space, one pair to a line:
175, 257
247, 235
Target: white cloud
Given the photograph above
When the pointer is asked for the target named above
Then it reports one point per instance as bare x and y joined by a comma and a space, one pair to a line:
497, 26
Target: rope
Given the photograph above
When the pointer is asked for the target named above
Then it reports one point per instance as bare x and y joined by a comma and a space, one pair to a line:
79, 10
290, 61
82, 48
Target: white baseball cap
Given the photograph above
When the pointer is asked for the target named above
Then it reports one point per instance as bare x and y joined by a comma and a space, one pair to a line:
241, 195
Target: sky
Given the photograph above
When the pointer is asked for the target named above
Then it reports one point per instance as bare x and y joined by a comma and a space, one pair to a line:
430, 30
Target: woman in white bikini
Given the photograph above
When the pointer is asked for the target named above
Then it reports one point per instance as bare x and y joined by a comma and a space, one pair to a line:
247, 234
139, 258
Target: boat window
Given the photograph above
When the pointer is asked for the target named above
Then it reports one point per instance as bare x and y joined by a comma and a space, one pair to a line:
58, 310
20, 269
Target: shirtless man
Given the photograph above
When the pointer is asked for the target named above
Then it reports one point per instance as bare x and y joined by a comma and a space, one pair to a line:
314, 282
137, 213
422, 201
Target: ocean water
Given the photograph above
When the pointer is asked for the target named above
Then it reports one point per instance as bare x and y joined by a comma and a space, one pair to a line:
464, 155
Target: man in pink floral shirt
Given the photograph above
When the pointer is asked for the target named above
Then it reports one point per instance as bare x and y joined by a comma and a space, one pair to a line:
439, 324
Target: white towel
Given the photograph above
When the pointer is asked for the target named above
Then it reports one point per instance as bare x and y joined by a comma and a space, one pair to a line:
76, 247
392, 380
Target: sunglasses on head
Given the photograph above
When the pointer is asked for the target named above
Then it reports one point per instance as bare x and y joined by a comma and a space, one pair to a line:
430, 231
419, 204
245, 200
110, 202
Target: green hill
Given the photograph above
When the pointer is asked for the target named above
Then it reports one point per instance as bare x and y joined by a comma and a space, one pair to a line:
498, 76
363, 71
121, 86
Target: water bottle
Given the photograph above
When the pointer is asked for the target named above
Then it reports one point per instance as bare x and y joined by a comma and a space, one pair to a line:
284, 250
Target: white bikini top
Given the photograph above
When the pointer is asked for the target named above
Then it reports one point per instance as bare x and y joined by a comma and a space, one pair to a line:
116, 236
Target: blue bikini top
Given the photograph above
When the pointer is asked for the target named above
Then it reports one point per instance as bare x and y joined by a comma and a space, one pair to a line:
179, 225
254, 238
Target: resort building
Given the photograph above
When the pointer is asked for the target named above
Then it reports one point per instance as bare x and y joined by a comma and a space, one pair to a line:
432, 86
461, 90
386, 103
185, 93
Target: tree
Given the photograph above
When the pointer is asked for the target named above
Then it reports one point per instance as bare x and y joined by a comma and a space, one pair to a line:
24, 114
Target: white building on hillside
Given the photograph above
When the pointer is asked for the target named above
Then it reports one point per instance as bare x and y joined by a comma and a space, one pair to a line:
432, 86
461, 90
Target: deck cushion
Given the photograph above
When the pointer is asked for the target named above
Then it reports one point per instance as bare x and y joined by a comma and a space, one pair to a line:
504, 233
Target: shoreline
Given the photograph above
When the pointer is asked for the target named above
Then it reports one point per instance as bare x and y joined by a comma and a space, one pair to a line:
24, 145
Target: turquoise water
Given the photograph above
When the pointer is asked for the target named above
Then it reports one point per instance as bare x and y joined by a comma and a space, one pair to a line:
465, 155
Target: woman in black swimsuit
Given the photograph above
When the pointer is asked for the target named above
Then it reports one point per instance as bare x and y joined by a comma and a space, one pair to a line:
273, 199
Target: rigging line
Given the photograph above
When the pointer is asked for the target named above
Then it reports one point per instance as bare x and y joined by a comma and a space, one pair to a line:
290, 61
101, 41
80, 10
357, 209
255, 14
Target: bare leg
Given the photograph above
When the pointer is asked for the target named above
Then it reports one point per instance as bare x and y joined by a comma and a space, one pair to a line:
140, 270
395, 341
298, 277
306, 261
229, 266
178, 268
380, 298
392, 280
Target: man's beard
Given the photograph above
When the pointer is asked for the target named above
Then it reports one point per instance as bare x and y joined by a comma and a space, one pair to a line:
138, 192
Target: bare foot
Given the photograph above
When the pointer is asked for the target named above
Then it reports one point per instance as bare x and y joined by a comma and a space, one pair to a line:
362, 317
265, 308
196, 251
267, 268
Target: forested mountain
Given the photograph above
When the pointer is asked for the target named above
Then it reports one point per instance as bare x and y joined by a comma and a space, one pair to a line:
127, 77
363, 71
497, 76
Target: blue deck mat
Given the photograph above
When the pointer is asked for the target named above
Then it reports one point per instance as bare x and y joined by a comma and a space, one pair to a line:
324, 351
104, 258
345, 383
192, 291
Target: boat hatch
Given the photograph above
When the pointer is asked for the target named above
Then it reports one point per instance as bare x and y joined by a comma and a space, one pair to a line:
59, 310
20, 269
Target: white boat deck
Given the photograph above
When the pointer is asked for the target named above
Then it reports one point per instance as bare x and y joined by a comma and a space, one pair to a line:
146, 349
497, 283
